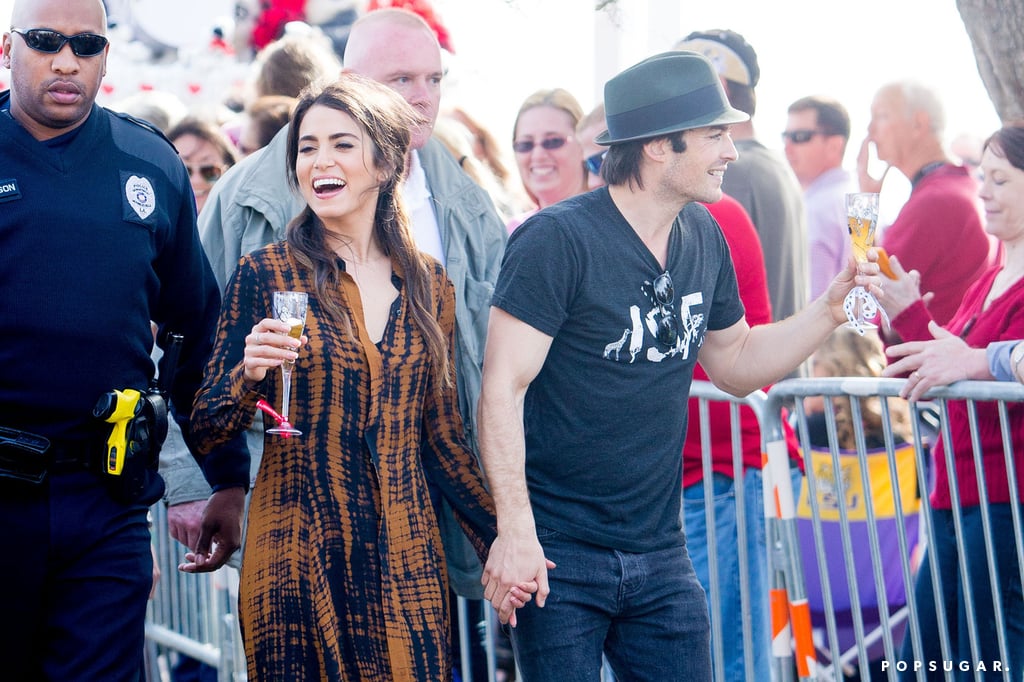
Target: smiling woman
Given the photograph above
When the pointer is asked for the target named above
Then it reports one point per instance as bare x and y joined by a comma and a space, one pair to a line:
375, 396
548, 155
988, 312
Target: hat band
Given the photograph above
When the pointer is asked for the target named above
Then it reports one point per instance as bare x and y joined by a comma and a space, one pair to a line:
690, 106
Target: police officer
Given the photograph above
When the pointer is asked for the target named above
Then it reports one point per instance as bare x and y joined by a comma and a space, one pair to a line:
97, 239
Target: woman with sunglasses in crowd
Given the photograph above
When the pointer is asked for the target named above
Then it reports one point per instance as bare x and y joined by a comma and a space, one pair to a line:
548, 154
206, 152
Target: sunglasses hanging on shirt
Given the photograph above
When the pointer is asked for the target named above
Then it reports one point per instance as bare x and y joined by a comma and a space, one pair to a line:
664, 293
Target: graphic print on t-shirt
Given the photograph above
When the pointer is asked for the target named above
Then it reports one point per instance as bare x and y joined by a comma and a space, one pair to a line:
685, 325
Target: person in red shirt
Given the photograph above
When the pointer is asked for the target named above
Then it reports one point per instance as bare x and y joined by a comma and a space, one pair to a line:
939, 231
748, 259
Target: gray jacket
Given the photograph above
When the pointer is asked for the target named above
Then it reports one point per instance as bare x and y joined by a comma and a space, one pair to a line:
251, 206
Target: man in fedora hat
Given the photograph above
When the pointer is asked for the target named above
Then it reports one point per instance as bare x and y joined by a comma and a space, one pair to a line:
603, 305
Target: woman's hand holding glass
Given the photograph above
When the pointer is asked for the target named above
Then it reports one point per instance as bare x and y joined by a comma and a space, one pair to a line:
289, 309
269, 347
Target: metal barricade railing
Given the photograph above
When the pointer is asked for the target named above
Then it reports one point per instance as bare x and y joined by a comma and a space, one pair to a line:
790, 633
706, 393
191, 615
892, 663
195, 614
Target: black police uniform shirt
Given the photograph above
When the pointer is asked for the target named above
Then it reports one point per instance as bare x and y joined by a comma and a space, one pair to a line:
97, 238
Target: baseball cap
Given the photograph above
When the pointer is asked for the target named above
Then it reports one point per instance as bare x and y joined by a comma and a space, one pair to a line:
731, 54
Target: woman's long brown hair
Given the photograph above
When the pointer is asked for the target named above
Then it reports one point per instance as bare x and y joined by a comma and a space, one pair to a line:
387, 119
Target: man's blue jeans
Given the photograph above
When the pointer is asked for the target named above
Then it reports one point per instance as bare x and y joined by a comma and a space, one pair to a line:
727, 563
944, 555
646, 613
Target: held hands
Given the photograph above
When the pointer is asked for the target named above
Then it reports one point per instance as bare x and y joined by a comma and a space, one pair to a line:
515, 570
267, 347
221, 532
942, 361
185, 522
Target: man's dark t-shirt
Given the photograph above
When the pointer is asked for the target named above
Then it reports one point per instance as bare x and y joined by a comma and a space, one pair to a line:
605, 418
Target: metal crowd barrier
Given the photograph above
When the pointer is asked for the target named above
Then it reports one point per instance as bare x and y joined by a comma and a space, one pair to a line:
194, 615
706, 393
890, 576
191, 615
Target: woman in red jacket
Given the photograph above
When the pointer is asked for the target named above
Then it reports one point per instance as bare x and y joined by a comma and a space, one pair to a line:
990, 311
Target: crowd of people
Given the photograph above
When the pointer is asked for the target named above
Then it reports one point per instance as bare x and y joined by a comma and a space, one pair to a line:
492, 381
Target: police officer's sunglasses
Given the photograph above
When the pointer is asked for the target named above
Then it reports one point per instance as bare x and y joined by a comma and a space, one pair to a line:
52, 42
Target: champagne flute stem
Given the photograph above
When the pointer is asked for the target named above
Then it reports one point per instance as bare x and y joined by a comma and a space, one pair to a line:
286, 374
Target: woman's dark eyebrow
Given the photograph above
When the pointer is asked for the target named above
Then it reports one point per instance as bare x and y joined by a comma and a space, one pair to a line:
333, 136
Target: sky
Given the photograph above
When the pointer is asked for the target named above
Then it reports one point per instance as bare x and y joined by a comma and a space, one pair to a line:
506, 49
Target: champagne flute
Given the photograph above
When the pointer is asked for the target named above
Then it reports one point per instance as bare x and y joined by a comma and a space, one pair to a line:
862, 220
289, 307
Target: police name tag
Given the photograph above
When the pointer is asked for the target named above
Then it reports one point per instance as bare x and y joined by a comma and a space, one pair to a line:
9, 190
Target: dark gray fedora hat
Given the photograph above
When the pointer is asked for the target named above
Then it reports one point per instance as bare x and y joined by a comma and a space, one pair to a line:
663, 94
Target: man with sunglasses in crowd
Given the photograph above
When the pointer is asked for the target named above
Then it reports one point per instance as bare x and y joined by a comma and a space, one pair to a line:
817, 130
587, 130
603, 306
97, 239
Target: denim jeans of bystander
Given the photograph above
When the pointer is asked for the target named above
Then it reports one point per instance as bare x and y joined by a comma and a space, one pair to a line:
944, 555
732, 614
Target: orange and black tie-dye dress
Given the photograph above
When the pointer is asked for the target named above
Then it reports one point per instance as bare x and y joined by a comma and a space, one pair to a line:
343, 573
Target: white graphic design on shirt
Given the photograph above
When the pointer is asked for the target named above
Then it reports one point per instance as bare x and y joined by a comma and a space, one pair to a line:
688, 327
637, 342
616, 346
634, 334
140, 195
691, 322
